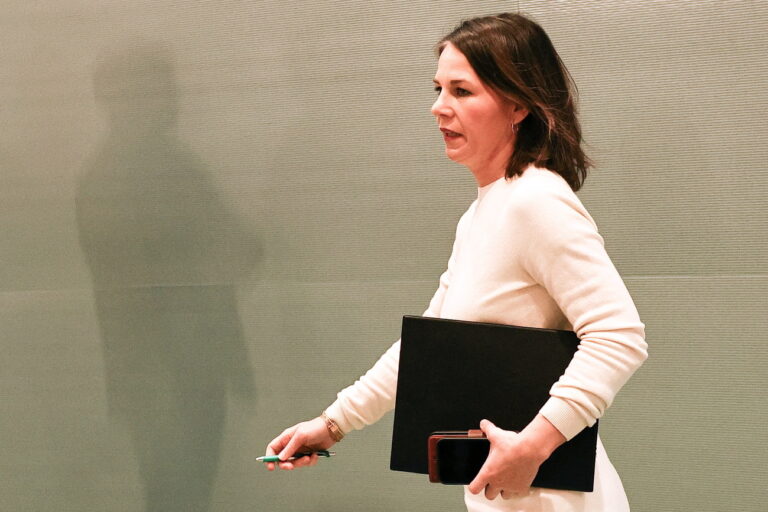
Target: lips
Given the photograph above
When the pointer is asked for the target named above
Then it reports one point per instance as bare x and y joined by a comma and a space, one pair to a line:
450, 133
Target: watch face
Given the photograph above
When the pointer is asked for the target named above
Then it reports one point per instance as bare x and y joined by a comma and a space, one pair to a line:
333, 427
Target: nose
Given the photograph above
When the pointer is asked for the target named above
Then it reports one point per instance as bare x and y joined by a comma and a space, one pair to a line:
440, 108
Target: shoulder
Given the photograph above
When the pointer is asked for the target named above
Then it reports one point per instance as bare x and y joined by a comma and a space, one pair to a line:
466, 219
536, 184
540, 195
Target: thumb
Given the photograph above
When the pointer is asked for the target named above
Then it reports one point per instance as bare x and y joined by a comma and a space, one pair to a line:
489, 429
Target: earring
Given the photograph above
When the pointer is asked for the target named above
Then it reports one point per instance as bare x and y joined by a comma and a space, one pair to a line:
514, 128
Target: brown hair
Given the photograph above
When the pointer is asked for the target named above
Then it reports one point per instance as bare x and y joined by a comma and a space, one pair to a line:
515, 57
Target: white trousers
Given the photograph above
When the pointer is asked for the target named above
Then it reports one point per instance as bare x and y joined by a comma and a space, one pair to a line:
608, 495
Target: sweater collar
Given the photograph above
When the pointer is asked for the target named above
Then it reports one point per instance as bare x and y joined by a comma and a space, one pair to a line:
483, 191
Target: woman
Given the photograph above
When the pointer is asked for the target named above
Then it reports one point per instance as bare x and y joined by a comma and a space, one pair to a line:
526, 253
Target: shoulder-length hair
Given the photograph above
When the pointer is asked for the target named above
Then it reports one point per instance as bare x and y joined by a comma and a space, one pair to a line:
515, 57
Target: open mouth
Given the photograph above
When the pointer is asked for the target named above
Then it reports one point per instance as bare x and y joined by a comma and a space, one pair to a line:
449, 133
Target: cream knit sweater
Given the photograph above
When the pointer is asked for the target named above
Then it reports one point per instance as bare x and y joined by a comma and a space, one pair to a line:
527, 253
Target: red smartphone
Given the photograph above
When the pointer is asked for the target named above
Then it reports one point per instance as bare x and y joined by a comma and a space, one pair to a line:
455, 457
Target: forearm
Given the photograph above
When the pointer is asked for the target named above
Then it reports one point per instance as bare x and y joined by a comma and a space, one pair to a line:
542, 437
370, 397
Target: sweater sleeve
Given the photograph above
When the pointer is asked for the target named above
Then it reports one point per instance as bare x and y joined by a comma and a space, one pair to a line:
564, 253
372, 395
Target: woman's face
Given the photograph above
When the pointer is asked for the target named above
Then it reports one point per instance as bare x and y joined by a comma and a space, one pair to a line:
476, 122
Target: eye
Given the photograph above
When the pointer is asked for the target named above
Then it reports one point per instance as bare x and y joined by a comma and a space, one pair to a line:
462, 92
438, 89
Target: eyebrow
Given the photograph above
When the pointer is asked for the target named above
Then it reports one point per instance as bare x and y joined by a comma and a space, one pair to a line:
452, 82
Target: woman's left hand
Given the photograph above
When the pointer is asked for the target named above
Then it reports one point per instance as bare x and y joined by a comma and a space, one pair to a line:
514, 459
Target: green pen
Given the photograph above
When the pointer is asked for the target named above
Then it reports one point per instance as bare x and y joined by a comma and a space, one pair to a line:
276, 458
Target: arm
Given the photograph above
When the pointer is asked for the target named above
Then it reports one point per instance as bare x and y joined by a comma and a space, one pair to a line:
562, 252
360, 404
370, 397
566, 256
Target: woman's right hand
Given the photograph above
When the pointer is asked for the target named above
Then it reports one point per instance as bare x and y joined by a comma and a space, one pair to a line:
306, 436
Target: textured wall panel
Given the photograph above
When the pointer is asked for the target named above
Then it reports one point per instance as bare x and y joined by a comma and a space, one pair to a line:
213, 215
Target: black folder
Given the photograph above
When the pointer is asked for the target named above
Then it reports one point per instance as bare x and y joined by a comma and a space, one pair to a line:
454, 374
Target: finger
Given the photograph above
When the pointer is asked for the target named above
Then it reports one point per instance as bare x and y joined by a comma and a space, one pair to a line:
273, 446
302, 461
295, 442
280, 441
288, 466
276, 445
491, 491
307, 460
478, 484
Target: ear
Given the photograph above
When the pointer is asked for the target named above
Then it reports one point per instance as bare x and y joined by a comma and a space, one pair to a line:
517, 113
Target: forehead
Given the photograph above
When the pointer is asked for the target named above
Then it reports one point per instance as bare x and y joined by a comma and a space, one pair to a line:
453, 65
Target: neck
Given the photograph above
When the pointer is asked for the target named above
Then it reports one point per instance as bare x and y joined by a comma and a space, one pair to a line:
489, 171
494, 167
487, 178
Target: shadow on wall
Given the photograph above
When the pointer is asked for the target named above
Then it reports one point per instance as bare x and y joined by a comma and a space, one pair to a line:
164, 254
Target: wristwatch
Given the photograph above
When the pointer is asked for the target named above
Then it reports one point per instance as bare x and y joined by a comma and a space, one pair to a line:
333, 427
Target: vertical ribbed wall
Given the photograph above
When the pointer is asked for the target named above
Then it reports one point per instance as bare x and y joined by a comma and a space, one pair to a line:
214, 214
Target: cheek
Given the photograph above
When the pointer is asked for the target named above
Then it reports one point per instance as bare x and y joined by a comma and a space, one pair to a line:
491, 128
486, 121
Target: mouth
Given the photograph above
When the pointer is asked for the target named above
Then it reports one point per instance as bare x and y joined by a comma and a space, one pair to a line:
449, 133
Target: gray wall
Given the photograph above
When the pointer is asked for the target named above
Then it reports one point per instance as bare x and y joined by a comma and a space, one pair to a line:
214, 214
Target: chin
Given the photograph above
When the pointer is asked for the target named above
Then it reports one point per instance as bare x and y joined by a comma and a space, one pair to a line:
454, 155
